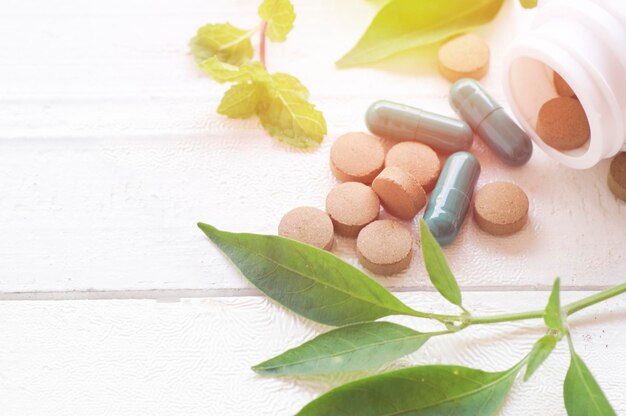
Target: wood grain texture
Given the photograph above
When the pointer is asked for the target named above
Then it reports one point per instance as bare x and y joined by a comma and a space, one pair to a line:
111, 151
193, 357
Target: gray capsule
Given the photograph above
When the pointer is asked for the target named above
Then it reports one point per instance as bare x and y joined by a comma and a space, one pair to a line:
490, 122
450, 200
402, 122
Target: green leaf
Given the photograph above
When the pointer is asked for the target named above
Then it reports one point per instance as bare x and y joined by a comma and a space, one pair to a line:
224, 41
552, 315
437, 266
425, 390
240, 101
406, 24
583, 396
311, 282
288, 83
528, 4
349, 348
289, 117
541, 350
280, 16
223, 72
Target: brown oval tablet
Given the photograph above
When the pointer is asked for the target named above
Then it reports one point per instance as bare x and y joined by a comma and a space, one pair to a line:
562, 87
399, 192
357, 157
562, 123
417, 159
308, 225
384, 247
466, 56
351, 207
501, 208
617, 176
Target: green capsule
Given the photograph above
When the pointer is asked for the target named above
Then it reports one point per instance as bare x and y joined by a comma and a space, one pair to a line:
490, 122
450, 200
402, 122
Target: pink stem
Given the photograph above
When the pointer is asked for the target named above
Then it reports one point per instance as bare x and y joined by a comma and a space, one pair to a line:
262, 45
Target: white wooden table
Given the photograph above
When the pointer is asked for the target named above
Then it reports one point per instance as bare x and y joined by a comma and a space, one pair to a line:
111, 300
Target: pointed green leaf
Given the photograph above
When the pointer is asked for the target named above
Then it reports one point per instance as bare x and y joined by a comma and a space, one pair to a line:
349, 348
223, 72
406, 24
581, 392
437, 266
224, 41
541, 350
289, 117
425, 390
240, 101
552, 315
528, 4
279, 16
312, 282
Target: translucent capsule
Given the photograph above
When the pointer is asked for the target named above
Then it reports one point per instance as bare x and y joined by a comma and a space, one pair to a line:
450, 200
402, 122
490, 122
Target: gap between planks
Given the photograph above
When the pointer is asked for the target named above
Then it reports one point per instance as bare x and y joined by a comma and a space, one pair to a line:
173, 295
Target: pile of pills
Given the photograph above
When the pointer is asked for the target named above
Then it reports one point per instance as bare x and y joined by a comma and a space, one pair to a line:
400, 179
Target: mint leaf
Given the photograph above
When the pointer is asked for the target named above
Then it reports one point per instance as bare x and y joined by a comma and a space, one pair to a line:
552, 315
223, 72
406, 24
279, 15
224, 41
581, 392
287, 116
349, 348
541, 350
437, 266
240, 101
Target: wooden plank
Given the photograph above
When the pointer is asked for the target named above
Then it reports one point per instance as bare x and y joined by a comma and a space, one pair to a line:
193, 357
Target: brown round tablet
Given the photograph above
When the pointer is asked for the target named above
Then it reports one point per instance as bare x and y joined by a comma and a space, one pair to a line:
351, 207
384, 247
308, 225
562, 124
562, 87
617, 176
501, 208
417, 159
357, 157
466, 56
399, 192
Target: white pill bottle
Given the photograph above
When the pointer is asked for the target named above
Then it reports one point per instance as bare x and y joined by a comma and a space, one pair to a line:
585, 42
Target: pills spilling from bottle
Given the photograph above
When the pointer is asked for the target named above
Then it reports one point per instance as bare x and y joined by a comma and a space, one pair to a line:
399, 192
501, 208
418, 160
385, 247
617, 176
308, 225
466, 56
357, 157
351, 206
562, 124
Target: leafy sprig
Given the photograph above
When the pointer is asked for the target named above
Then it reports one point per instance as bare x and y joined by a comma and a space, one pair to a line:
224, 52
320, 286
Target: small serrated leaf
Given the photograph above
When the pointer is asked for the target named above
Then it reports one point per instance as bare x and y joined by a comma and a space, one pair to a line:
223, 72
224, 41
437, 266
528, 4
354, 347
279, 15
541, 350
240, 101
552, 315
289, 83
581, 392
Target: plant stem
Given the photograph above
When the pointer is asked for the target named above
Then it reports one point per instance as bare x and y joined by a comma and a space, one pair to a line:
574, 307
479, 320
262, 43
